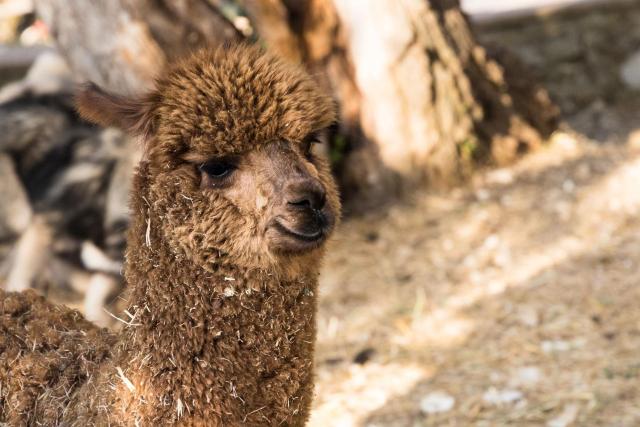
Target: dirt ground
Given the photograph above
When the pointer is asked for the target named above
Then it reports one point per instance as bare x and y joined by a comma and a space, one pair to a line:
516, 299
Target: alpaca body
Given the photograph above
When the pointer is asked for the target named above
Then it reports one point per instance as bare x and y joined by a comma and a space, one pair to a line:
227, 347
230, 211
253, 367
47, 352
222, 346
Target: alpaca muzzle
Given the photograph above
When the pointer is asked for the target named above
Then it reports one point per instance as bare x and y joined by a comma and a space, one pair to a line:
304, 221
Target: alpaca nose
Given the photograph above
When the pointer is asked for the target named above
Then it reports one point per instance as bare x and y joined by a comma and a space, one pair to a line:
306, 195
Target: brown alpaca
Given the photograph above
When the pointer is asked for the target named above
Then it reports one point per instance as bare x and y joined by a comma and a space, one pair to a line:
230, 212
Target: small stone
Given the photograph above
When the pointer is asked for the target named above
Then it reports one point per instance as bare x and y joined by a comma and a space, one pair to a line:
229, 292
559, 346
491, 242
502, 258
494, 396
555, 346
568, 186
528, 316
583, 171
566, 418
564, 141
527, 376
500, 176
483, 195
630, 71
563, 209
437, 402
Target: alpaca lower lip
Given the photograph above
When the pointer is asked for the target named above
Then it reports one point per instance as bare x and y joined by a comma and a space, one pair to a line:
307, 237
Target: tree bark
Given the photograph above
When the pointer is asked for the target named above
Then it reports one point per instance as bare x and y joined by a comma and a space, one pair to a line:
103, 42
419, 99
122, 44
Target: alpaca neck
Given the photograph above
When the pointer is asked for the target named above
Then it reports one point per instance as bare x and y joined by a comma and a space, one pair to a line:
241, 338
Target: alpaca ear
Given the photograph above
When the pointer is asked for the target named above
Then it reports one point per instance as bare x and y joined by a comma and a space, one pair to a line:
133, 115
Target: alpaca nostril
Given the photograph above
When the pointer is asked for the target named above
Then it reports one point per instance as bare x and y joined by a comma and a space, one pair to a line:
305, 194
302, 203
314, 200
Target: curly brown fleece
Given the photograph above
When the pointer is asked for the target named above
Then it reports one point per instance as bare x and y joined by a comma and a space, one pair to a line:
220, 330
46, 352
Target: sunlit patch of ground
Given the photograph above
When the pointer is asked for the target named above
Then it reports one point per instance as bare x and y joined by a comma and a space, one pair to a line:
517, 299
491, 7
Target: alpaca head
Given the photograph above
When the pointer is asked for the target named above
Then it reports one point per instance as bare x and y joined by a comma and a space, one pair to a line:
231, 172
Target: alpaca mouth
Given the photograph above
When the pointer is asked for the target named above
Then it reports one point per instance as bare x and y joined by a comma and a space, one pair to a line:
305, 236
299, 234
296, 239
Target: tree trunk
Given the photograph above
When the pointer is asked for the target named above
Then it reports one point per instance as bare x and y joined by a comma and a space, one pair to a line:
103, 42
419, 99
122, 44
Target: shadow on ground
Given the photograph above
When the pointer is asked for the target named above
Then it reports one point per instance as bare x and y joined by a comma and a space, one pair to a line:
521, 288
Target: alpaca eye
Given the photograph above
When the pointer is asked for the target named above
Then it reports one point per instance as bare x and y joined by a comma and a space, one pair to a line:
217, 169
308, 143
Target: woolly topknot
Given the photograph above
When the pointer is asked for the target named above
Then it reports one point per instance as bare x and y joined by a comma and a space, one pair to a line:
228, 100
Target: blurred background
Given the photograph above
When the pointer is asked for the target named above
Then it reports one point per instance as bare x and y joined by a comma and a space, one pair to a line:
486, 272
